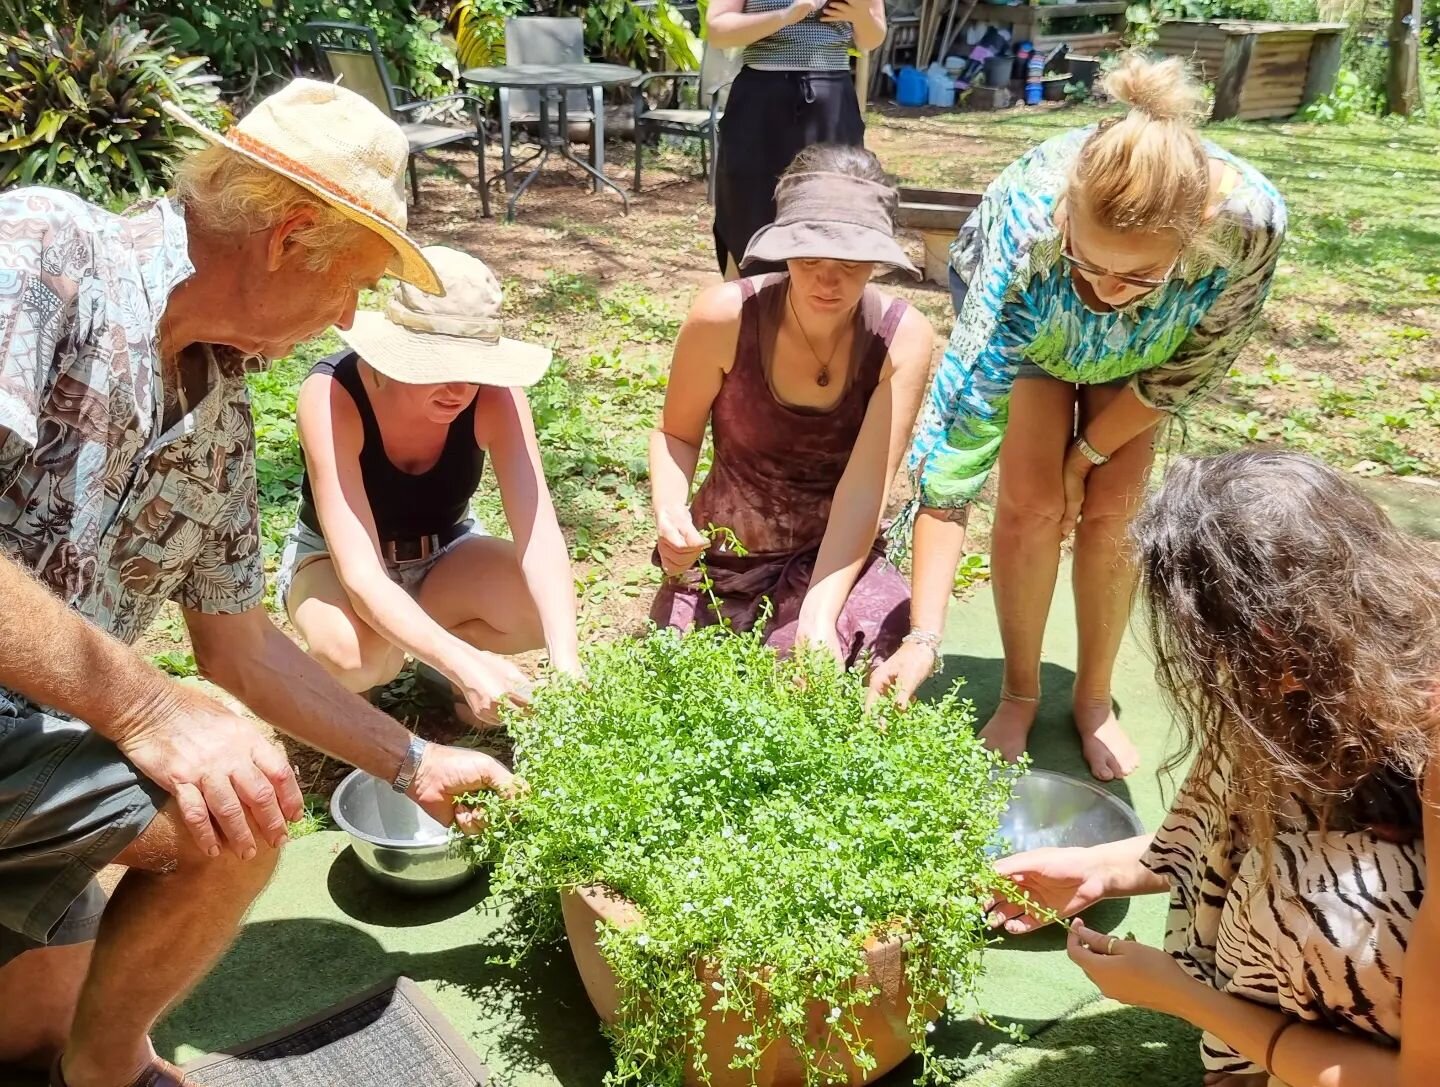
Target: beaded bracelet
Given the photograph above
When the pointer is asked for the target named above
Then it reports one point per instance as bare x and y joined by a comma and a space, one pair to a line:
931, 641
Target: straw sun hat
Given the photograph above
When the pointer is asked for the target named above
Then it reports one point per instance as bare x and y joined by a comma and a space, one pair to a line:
425, 339
337, 145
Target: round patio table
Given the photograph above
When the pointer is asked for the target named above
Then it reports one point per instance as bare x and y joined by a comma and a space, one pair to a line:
553, 81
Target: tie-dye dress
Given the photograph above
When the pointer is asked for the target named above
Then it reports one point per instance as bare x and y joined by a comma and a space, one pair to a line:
1174, 344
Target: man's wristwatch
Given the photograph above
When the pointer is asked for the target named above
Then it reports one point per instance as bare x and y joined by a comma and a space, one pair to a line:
1089, 452
409, 765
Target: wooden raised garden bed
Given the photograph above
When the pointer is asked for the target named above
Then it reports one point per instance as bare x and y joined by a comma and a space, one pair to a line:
1032, 23
1260, 70
938, 215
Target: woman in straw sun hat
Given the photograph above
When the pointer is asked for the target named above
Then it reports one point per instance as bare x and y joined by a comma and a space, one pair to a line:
809, 381
384, 560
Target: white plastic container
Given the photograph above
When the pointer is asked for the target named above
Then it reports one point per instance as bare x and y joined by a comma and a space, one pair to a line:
942, 86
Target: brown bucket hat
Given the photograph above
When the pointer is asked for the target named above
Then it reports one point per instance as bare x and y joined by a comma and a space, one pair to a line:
830, 216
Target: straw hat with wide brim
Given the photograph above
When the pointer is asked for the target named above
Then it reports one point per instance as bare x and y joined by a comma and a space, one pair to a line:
337, 145
822, 215
428, 339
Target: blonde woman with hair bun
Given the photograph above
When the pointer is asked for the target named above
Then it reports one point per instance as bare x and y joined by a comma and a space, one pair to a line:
1106, 283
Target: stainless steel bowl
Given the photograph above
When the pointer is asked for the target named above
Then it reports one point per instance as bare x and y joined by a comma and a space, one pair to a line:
1050, 809
397, 843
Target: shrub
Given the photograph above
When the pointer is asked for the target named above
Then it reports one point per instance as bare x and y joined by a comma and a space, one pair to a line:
253, 43
81, 108
763, 822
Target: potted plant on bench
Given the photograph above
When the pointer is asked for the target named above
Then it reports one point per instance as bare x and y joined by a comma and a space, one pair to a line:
761, 882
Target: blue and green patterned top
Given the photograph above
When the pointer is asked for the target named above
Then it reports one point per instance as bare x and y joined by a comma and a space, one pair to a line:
1175, 343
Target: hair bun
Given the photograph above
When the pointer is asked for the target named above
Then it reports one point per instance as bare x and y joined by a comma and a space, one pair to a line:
1163, 90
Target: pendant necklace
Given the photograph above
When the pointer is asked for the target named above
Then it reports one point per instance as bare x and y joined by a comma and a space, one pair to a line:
823, 377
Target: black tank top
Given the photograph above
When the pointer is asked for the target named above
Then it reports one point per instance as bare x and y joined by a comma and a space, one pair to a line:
405, 506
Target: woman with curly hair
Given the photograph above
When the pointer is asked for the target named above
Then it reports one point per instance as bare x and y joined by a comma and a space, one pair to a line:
1297, 633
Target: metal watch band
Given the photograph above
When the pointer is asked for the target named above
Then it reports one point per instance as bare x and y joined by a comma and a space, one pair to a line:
409, 765
1089, 452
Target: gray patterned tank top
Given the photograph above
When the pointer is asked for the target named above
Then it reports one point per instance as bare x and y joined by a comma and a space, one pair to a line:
807, 46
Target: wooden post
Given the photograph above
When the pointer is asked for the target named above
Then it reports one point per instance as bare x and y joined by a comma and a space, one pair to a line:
1325, 56
862, 79
1403, 83
1234, 67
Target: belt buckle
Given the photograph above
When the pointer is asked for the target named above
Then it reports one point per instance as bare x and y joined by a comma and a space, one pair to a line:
414, 550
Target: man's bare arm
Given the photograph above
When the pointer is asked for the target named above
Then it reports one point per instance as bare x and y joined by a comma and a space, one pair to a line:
217, 765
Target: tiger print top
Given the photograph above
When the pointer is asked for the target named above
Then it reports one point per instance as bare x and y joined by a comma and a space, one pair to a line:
1317, 925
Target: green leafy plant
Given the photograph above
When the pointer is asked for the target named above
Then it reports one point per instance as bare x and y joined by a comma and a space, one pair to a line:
479, 30
81, 108
255, 44
766, 826
648, 37
1346, 103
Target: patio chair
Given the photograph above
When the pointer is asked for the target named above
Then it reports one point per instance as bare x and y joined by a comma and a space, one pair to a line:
717, 72
350, 53
534, 39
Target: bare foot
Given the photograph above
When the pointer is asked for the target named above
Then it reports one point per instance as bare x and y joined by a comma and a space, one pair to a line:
1107, 749
1008, 730
1232, 1079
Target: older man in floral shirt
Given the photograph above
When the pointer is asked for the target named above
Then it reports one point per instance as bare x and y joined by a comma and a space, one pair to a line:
127, 478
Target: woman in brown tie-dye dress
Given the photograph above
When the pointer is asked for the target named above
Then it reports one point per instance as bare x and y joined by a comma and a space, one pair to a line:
809, 382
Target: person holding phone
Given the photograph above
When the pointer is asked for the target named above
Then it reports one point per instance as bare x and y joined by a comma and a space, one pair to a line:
794, 90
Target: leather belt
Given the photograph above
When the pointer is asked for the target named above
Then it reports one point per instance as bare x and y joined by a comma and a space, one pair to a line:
419, 548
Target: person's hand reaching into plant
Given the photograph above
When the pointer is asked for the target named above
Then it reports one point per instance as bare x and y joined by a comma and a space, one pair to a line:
818, 633
486, 681
1061, 881
447, 773
680, 543
901, 673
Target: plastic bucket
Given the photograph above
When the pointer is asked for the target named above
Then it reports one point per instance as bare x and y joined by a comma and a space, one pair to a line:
1083, 70
998, 70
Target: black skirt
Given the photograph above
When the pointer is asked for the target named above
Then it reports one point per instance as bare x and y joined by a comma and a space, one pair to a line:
769, 118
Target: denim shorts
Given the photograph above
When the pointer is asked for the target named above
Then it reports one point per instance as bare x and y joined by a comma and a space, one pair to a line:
70, 803
304, 545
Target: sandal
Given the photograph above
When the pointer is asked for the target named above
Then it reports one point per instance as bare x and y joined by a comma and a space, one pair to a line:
160, 1074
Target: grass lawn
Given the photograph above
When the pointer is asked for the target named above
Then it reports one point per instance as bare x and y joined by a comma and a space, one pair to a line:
1346, 364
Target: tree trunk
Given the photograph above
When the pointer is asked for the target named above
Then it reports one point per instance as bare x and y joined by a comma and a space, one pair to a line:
1403, 84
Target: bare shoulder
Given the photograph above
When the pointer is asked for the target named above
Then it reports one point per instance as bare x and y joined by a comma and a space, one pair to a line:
324, 403
716, 307
913, 342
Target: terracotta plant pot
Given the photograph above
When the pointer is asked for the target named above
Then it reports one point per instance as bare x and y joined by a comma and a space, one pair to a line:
883, 1023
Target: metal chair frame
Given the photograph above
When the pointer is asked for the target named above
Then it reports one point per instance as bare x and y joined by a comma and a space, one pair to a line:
708, 130
327, 37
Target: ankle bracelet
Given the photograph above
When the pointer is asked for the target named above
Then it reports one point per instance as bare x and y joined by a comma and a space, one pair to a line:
1007, 695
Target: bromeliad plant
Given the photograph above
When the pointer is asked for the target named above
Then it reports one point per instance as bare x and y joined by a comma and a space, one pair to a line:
766, 825
81, 107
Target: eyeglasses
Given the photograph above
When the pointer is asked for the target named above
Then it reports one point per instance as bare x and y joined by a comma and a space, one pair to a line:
1085, 266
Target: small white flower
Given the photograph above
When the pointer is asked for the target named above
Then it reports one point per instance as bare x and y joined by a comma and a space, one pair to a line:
859, 911
642, 940
717, 986
834, 1014
687, 907
930, 1028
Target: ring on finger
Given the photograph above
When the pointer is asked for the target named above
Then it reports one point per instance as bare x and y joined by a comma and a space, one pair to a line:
1110, 947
